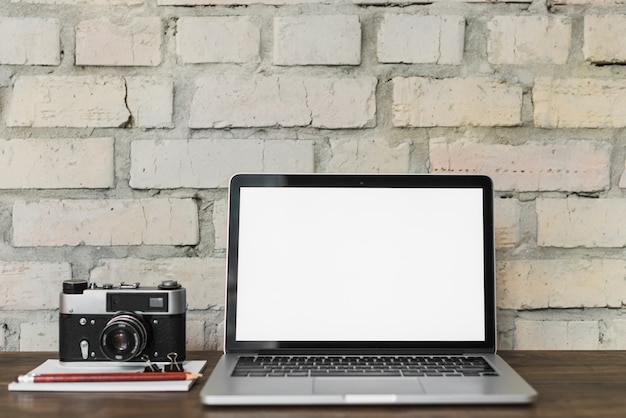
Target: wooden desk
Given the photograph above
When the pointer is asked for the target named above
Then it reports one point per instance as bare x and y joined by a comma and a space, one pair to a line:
570, 384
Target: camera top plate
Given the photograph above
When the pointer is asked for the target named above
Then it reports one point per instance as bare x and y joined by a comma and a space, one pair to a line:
79, 297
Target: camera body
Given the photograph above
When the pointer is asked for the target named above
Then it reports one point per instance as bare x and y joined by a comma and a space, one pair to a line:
121, 323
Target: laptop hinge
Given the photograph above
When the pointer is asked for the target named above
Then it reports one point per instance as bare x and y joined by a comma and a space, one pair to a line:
365, 351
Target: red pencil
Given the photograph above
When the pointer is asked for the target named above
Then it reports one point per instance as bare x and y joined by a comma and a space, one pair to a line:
106, 377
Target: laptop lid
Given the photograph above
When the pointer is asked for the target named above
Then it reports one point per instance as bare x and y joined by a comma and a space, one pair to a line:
360, 263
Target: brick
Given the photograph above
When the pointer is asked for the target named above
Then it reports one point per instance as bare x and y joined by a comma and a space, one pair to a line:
82, 2
605, 41
57, 163
428, 102
520, 40
41, 335
368, 156
30, 41
578, 222
64, 101
558, 165
216, 341
151, 101
30, 285
92, 101
209, 163
579, 103
421, 39
404, 3
6, 75
587, 2
556, 335
194, 332
100, 42
614, 337
561, 283
221, 102
203, 278
341, 103
218, 39
286, 156
262, 101
220, 223
317, 40
105, 222
507, 214
236, 2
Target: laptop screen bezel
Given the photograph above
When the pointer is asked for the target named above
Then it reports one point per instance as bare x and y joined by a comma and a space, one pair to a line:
239, 181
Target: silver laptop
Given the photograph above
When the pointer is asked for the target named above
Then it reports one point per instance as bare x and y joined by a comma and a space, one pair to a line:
361, 289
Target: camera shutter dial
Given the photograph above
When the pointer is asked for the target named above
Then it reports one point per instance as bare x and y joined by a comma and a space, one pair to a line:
75, 286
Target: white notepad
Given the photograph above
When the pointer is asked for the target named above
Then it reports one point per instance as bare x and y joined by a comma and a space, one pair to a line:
55, 366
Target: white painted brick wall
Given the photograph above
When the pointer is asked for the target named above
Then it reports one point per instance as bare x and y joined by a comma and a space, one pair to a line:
515, 40
404, 38
579, 103
605, 40
57, 163
613, 338
91, 101
556, 335
534, 166
218, 338
561, 283
287, 156
105, 43
507, 217
121, 122
42, 335
210, 163
79, 2
218, 39
195, 334
428, 102
576, 222
150, 101
232, 101
63, 101
404, 3
105, 222
317, 40
220, 223
238, 101
368, 156
235, 2
30, 41
32, 285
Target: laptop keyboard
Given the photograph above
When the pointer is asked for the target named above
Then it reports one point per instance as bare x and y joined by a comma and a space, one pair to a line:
320, 366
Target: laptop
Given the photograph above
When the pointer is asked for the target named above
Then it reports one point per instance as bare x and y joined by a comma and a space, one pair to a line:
361, 289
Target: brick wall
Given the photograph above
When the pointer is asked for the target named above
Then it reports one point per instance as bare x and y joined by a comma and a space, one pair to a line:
122, 121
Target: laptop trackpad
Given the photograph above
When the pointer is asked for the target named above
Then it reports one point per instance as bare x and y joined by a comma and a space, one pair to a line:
367, 386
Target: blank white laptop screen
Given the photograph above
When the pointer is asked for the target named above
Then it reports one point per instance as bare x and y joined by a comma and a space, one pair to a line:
351, 264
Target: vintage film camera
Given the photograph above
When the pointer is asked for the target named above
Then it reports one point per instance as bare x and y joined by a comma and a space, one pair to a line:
121, 323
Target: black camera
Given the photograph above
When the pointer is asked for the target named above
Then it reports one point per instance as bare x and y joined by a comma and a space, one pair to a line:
121, 323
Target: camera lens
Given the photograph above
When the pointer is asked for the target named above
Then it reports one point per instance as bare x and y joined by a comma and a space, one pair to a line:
124, 337
120, 340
